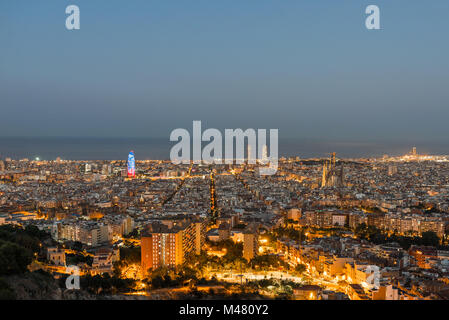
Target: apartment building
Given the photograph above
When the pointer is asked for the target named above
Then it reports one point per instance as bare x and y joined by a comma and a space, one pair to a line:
169, 245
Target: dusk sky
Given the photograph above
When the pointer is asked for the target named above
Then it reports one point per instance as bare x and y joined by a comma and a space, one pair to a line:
143, 68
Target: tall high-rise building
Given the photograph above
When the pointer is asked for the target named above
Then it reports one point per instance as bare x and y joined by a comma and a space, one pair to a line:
165, 245
131, 165
200, 235
161, 247
250, 242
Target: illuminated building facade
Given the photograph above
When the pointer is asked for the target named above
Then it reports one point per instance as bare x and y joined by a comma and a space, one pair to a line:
165, 245
250, 242
331, 177
131, 165
161, 248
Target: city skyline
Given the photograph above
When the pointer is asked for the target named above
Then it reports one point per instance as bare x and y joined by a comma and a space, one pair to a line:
315, 230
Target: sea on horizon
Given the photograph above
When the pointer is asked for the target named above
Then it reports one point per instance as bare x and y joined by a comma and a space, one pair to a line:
47, 148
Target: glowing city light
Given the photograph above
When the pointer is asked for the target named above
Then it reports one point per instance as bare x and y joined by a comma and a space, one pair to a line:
131, 165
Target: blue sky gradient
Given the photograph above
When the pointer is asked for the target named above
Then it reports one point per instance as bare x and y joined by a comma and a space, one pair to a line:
142, 68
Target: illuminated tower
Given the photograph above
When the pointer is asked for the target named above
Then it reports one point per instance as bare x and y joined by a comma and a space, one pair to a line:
131, 165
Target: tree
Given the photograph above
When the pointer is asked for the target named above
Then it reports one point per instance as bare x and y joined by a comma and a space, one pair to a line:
36, 233
77, 246
22, 237
105, 284
186, 273
6, 293
130, 255
157, 282
430, 238
14, 259
268, 261
360, 228
300, 268
134, 234
234, 251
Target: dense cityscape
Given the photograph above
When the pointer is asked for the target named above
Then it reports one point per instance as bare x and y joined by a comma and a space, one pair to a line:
319, 229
